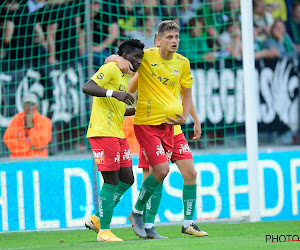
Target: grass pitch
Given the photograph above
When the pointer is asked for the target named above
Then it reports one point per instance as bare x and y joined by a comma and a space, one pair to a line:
220, 236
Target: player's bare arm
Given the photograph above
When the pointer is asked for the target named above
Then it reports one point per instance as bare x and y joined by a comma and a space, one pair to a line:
133, 84
197, 125
124, 65
93, 89
129, 112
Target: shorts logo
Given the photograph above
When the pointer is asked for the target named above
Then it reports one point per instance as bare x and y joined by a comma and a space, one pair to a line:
117, 158
99, 156
169, 154
144, 153
184, 148
127, 154
160, 150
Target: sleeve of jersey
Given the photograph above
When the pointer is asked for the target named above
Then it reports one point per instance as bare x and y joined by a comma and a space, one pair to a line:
186, 80
103, 75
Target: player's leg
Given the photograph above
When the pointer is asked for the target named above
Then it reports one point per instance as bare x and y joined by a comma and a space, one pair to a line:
106, 152
183, 158
152, 205
149, 138
126, 177
126, 180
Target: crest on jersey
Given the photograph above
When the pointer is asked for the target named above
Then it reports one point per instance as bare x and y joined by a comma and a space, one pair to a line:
175, 72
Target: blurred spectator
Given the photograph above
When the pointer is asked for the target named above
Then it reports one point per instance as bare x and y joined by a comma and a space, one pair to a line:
185, 12
277, 8
147, 31
149, 8
23, 37
105, 32
215, 20
263, 19
259, 50
170, 10
193, 44
293, 25
231, 40
29, 132
232, 9
127, 21
61, 32
281, 41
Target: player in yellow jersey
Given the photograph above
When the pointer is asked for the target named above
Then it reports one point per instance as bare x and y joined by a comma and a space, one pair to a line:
162, 73
105, 132
183, 158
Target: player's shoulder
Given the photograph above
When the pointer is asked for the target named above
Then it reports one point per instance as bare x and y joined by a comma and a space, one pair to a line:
179, 57
150, 51
109, 66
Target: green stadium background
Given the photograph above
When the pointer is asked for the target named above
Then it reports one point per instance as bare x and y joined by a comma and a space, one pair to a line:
54, 50
56, 47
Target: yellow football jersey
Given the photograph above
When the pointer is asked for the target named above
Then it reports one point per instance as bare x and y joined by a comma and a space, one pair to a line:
107, 112
159, 84
177, 130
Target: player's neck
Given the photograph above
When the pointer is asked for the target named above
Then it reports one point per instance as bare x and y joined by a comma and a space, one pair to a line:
164, 54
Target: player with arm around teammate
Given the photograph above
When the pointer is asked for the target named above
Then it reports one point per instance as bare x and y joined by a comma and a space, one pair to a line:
162, 73
110, 148
183, 158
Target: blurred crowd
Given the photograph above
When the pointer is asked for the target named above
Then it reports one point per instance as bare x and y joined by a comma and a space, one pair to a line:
41, 33
54, 31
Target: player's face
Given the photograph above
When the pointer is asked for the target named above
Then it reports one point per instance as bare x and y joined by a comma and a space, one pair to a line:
135, 58
169, 41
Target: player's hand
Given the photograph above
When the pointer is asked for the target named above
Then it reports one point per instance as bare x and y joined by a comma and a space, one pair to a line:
124, 65
179, 121
124, 97
197, 131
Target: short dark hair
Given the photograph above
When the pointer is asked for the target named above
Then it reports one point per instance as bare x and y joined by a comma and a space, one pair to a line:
167, 25
129, 45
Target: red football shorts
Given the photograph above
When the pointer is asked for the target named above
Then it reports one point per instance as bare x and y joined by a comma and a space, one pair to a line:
111, 153
181, 151
156, 142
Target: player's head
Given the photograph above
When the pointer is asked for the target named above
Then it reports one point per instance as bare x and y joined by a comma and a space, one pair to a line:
168, 35
133, 51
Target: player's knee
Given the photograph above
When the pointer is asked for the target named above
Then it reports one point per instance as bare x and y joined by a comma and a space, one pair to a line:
129, 180
164, 172
193, 174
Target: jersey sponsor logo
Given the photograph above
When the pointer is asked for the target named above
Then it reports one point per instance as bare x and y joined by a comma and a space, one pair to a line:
160, 150
117, 158
110, 118
99, 156
184, 149
175, 72
100, 76
122, 88
148, 108
179, 58
153, 65
169, 154
127, 154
